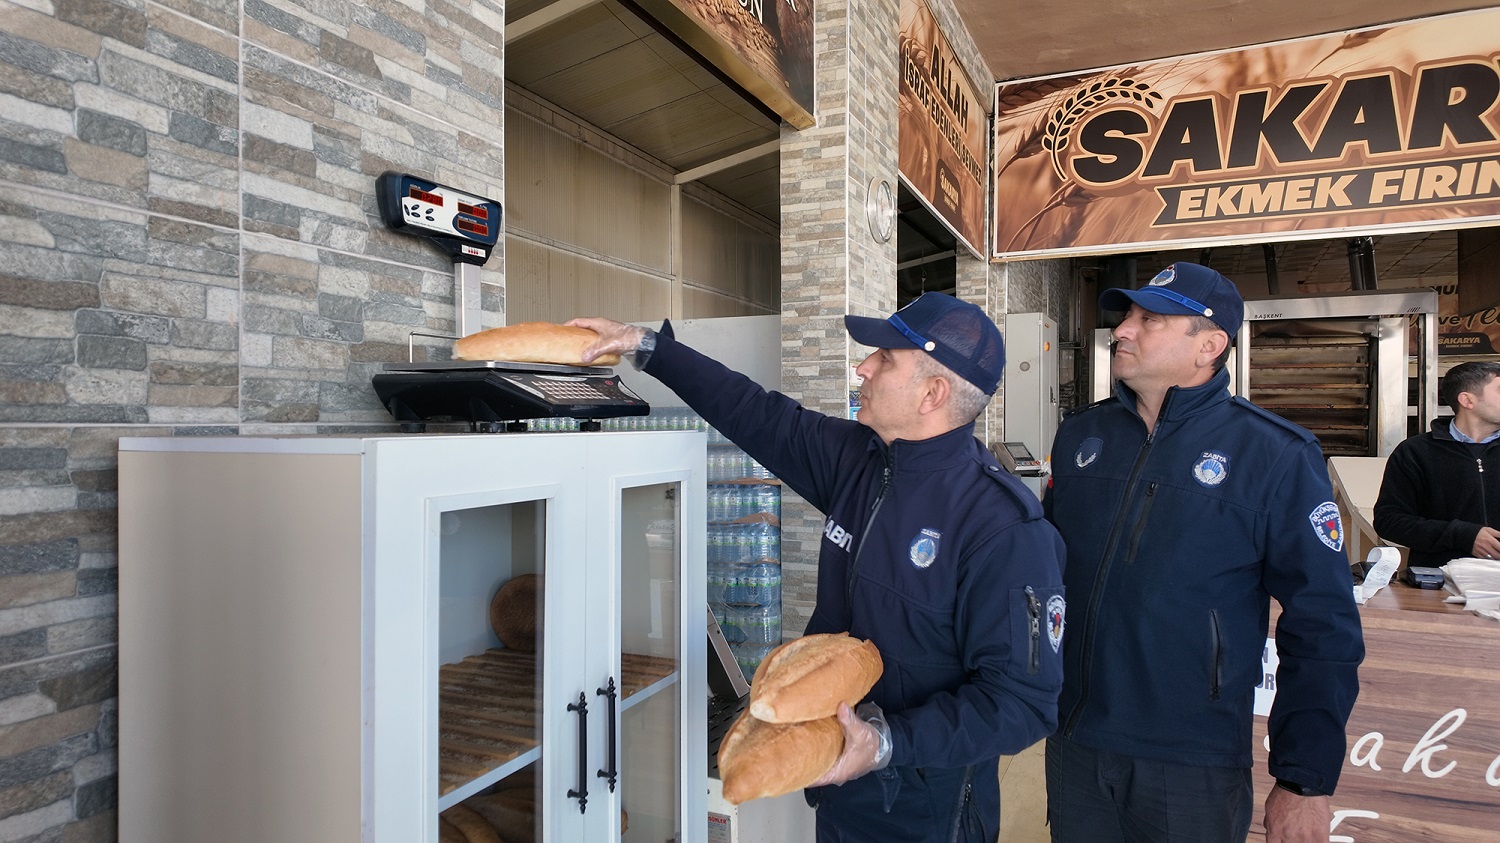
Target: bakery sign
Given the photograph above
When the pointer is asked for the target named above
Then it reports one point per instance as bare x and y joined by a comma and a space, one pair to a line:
766, 46
941, 127
1389, 128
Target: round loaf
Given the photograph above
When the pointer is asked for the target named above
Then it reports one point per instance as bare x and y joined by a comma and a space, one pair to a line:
759, 759
448, 833
806, 678
532, 342
514, 613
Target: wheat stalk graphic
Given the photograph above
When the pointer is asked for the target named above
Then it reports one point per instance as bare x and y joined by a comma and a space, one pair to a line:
1060, 124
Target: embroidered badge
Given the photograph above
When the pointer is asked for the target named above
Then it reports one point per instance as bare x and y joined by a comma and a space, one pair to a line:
1057, 608
1088, 451
1328, 525
1211, 469
924, 548
1163, 278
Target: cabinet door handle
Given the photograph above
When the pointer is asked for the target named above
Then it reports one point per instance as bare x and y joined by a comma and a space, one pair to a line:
582, 793
610, 771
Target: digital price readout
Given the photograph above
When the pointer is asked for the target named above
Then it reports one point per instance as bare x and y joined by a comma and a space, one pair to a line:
463, 225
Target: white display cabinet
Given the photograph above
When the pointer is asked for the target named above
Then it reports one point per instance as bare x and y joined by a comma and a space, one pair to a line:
306, 651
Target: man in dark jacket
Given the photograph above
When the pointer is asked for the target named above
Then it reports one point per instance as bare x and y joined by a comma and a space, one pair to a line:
930, 550
1441, 491
1185, 511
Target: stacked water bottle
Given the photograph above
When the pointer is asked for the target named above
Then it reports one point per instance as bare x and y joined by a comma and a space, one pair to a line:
744, 554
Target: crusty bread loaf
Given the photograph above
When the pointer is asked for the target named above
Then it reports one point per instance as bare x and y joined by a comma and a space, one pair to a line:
532, 342
448, 833
513, 613
474, 827
759, 759
510, 812
807, 678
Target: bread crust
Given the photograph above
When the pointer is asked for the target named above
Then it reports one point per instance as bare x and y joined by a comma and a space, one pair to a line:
532, 342
806, 678
759, 759
472, 824
513, 613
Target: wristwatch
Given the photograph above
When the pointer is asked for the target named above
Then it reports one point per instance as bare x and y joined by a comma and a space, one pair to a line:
1299, 789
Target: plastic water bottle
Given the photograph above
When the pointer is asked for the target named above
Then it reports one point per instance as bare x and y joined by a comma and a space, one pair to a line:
763, 587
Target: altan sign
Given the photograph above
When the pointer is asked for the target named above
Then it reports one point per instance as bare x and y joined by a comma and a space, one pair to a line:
940, 127
1392, 128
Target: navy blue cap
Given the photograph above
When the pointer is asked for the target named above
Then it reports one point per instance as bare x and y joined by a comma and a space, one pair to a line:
956, 333
1184, 289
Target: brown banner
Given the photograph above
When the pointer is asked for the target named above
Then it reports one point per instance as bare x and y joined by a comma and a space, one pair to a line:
764, 45
941, 128
1383, 129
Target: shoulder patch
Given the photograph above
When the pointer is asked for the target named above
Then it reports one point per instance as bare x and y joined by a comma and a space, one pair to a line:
1328, 525
1057, 610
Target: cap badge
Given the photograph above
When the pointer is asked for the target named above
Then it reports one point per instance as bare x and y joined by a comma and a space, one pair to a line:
1163, 278
1211, 469
924, 548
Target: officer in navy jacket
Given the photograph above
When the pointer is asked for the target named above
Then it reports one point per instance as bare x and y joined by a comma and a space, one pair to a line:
930, 550
1184, 511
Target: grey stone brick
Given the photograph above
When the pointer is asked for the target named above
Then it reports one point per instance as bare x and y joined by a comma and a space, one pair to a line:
201, 133
80, 634
95, 798
41, 762
414, 316
85, 687
93, 581
271, 211
35, 88
59, 413
105, 238
214, 336
23, 646
94, 479
15, 459
59, 555
279, 156
340, 308
281, 21
47, 61
383, 24
344, 397
317, 327
51, 835
28, 350
98, 500
111, 20
155, 330
188, 54
154, 84
335, 148
97, 352
107, 130
196, 374
48, 158
220, 14
36, 794
346, 55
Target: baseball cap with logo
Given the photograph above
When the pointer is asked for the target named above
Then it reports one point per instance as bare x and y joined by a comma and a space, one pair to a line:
956, 333
1185, 289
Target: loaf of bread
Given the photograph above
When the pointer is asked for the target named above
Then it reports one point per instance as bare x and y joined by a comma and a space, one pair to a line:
471, 824
513, 613
807, 678
759, 759
532, 342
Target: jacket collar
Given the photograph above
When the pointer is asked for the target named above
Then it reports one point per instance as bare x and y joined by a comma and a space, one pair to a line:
1183, 401
940, 452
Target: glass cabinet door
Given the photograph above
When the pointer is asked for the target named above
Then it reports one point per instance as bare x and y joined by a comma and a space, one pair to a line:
650, 698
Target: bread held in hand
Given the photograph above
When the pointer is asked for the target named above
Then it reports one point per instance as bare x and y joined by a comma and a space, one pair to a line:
806, 679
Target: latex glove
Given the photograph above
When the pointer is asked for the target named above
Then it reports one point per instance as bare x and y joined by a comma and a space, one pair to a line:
1297, 819
614, 337
862, 745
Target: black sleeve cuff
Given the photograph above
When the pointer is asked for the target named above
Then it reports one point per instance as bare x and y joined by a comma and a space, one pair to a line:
1299, 789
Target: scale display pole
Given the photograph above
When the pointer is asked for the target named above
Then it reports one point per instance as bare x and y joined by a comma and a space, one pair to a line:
466, 227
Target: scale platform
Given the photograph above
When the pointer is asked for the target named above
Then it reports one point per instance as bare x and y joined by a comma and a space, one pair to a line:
491, 395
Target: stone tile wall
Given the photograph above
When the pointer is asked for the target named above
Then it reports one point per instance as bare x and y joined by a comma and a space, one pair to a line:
189, 246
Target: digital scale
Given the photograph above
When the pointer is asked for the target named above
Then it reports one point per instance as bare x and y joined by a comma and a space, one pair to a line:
489, 395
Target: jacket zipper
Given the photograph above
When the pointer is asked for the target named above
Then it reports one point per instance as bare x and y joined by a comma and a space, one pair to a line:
1140, 523
1218, 662
1034, 610
885, 485
965, 793
1484, 505
1071, 722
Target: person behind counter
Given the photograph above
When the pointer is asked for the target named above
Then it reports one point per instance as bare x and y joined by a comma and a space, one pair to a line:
1441, 492
1184, 511
930, 550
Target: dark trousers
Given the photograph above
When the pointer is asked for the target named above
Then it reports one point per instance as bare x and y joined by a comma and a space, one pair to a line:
908, 805
1095, 796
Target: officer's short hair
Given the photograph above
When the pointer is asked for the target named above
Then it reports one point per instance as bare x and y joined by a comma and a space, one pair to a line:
965, 400
1467, 377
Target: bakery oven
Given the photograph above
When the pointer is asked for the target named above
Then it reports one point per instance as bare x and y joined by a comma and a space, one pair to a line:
413, 638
